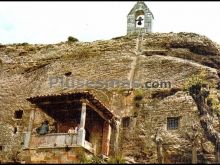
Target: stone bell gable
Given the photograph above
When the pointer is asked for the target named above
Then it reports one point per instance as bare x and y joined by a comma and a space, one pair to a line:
140, 9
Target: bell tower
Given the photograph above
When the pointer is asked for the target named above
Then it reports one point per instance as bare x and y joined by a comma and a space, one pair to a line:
139, 19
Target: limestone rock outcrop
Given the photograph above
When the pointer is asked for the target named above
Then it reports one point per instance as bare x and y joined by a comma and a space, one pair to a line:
28, 70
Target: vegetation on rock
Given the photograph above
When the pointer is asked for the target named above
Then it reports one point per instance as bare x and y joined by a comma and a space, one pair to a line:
72, 39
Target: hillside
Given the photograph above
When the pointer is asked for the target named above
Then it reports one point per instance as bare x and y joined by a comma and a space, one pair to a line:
28, 69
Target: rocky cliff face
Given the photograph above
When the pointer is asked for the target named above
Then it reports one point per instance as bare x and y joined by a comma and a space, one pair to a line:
30, 70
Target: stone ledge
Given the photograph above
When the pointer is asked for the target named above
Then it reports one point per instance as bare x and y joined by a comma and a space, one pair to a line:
154, 52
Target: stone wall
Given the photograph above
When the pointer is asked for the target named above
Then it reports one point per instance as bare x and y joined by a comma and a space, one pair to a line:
56, 155
137, 141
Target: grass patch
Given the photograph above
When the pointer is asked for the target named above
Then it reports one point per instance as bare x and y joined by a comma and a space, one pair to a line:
81, 53
117, 159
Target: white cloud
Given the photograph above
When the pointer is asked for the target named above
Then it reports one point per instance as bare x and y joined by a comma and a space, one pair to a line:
52, 22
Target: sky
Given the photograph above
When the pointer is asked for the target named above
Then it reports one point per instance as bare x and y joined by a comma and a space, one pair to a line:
53, 22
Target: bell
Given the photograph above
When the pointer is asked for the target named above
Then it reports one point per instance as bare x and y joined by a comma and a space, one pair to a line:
139, 23
140, 19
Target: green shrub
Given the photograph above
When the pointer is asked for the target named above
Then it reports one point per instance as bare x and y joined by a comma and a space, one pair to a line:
23, 44
196, 81
96, 160
138, 94
83, 158
118, 159
72, 39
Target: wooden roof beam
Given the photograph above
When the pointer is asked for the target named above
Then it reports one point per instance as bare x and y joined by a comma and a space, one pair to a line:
95, 109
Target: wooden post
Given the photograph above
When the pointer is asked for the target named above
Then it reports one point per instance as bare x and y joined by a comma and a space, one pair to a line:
83, 116
116, 130
81, 132
106, 138
27, 136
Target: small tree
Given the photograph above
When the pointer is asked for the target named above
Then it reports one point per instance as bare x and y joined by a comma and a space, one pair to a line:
195, 82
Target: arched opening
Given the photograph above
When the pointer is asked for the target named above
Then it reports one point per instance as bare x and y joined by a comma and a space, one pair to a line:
139, 19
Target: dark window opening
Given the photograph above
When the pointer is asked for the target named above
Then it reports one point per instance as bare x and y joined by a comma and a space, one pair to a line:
15, 130
1, 148
68, 74
172, 123
126, 122
18, 114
